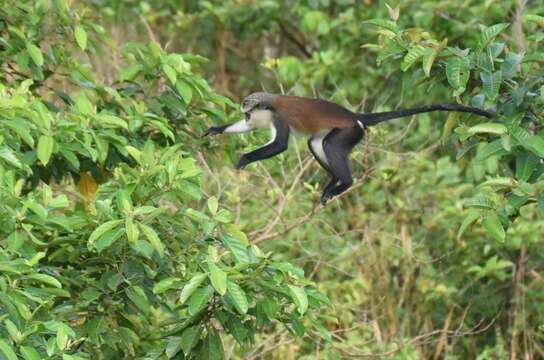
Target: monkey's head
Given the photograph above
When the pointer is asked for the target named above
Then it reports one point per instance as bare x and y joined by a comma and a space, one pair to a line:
258, 108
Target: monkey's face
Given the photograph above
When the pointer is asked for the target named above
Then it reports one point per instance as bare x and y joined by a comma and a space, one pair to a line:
259, 118
257, 111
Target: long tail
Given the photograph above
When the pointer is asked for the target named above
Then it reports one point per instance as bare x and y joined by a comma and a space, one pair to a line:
376, 118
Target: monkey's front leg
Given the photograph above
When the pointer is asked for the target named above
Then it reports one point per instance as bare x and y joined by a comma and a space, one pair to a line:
278, 144
237, 127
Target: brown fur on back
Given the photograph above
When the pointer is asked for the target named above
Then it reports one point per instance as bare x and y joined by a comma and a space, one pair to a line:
310, 116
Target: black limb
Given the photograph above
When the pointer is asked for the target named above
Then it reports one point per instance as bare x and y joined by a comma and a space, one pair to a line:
277, 145
337, 146
317, 158
213, 130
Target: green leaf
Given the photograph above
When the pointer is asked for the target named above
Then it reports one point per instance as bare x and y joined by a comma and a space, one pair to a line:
458, 73
196, 215
488, 127
384, 24
199, 300
493, 225
472, 216
107, 239
81, 37
238, 297
13, 331
185, 91
37, 208
130, 73
526, 164
429, 56
131, 230
62, 337
491, 83
489, 34
479, 201
299, 298
170, 73
191, 286
46, 279
114, 121
45, 148
29, 353
535, 18
73, 357
236, 248
270, 307
536, 145
218, 278
189, 338
451, 122
491, 149
510, 66
223, 216
83, 105
236, 233
7, 350
137, 295
35, 54
9, 157
166, 284
213, 205
135, 153
540, 203
172, 347
102, 229
212, 347
21, 129
153, 238
413, 55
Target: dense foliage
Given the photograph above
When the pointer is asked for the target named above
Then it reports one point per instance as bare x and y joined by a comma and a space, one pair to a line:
123, 234
134, 261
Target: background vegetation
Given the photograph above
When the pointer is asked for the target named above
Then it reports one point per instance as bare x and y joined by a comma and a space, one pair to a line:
125, 235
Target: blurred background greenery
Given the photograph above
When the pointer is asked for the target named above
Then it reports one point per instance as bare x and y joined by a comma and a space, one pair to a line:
436, 251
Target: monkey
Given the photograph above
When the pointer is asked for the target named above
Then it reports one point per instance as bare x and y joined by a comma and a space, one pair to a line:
332, 130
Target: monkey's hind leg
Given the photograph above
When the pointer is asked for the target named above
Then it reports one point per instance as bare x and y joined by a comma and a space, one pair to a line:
337, 147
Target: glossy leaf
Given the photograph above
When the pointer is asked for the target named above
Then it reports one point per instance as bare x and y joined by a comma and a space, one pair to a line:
494, 226
212, 347
191, 286
218, 278
81, 37
299, 298
35, 54
189, 338
238, 297
7, 350
45, 148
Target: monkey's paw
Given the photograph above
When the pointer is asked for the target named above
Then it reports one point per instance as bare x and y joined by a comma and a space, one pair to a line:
325, 198
242, 163
213, 130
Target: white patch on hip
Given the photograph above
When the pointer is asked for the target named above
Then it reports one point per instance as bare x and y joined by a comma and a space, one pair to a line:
317, 146
239, 127
261, 118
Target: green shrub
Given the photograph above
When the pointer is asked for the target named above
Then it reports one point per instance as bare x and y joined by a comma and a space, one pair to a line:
108, 246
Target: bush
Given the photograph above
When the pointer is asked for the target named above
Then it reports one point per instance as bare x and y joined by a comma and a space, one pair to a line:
108, 245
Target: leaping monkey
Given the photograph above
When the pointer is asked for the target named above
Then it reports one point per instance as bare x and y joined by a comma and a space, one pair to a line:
332, 129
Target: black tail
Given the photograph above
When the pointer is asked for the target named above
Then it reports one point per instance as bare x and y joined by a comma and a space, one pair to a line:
376, 118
